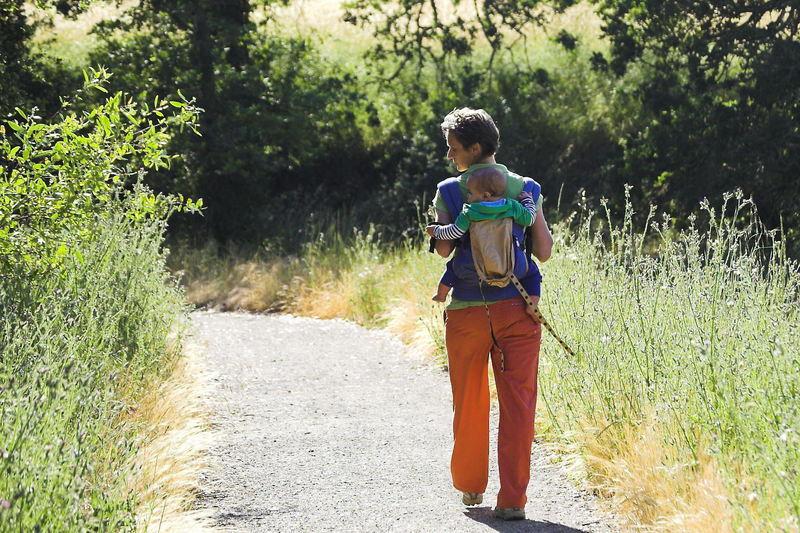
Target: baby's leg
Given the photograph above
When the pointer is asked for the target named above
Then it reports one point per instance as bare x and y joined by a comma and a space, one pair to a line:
441, 293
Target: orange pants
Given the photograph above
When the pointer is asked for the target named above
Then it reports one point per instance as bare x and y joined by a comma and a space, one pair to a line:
469, 344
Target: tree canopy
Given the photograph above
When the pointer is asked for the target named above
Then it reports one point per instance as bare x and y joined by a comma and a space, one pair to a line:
682, 100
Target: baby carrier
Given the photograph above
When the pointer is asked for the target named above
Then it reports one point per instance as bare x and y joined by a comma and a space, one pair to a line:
492, 257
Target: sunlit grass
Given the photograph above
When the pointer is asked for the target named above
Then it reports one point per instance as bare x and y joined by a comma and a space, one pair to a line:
71, 40
322, 21
172, 449
688, 350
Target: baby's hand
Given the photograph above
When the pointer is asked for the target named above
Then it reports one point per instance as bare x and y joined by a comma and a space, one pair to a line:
429, 230
524, 194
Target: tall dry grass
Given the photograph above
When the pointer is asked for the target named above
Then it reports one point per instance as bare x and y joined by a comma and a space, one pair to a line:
337, 275
171, 454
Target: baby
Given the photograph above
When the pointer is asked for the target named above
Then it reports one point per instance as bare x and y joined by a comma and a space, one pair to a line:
485, 200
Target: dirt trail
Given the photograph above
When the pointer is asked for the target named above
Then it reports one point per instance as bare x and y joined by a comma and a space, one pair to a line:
327, 426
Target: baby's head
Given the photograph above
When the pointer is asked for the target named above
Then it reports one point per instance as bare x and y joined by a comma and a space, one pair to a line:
486, 185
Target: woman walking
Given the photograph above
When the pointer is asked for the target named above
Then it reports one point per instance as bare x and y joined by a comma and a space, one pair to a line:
483, 321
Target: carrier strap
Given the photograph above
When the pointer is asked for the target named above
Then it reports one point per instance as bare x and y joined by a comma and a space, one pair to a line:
538, 313
491, 330
451, 195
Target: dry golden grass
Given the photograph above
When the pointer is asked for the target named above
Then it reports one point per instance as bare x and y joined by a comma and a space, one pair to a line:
650, 485
238, 282
248, 286
327, 297
172, 450
422, 331
325, 16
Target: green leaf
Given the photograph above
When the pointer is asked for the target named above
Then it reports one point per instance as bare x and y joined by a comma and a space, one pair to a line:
105, 123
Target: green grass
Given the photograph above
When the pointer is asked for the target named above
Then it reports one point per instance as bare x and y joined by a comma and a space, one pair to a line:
71, 40
79, 348
699, 327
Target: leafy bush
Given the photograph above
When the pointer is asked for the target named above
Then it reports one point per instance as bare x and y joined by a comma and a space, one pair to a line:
87, 307
55, 178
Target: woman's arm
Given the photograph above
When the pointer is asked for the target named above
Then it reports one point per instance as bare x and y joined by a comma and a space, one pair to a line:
542, 238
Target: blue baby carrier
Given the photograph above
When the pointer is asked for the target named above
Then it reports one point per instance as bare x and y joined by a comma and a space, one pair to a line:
470, 285
474, 281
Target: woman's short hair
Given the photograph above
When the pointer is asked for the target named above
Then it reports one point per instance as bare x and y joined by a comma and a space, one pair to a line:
470, 126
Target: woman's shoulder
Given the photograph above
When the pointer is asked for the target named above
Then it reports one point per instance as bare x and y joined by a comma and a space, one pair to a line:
448, 182
516, 183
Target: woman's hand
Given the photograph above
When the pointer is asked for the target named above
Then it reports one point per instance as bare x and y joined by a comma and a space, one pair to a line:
531, 310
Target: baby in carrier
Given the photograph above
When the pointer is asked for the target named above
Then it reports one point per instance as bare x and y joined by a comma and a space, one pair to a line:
484, 202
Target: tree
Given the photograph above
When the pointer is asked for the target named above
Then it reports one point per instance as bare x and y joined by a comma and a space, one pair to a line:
421, 32
278, 124
720, 88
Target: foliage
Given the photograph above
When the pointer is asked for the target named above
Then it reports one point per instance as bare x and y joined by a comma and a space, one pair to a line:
695, 329
301, 136
55, 178
29, 79
421, 33
87, 307
720, 100
682, 115
77, 350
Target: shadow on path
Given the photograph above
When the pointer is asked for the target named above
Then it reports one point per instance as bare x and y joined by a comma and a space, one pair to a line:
485, 516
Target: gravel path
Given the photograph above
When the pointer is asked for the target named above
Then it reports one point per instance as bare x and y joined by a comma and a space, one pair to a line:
326, 426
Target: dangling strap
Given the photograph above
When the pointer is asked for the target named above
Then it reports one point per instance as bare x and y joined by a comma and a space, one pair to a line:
538, 313
491, 330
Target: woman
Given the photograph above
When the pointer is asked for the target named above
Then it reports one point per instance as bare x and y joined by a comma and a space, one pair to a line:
496, 324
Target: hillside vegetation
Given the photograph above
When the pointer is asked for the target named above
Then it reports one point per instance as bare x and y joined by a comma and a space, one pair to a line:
92, 322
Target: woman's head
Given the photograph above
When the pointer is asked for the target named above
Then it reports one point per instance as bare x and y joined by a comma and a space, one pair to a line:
471, 126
